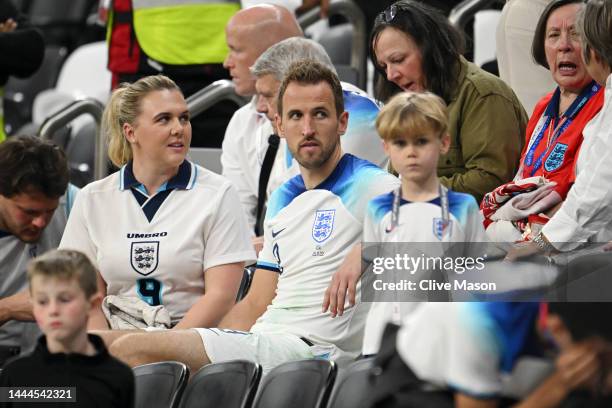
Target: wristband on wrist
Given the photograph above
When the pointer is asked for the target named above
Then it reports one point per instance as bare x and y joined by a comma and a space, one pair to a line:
542, 243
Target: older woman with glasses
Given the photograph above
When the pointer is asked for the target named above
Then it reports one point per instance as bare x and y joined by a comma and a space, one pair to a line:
415, 48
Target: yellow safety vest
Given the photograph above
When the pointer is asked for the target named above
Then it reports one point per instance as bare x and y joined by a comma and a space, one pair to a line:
183, 32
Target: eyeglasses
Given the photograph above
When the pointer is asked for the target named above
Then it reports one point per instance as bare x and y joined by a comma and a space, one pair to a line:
389, 14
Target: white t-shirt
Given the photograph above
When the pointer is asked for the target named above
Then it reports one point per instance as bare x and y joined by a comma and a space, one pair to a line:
418, 224
157, 247
308, 233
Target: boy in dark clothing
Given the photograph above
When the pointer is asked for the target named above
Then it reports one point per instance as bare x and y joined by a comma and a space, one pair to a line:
68, 367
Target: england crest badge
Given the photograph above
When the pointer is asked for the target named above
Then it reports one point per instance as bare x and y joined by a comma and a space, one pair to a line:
555, 158
323, 225
144, 256
441, 228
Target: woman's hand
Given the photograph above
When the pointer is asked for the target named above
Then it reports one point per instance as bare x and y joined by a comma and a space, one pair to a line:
523, 250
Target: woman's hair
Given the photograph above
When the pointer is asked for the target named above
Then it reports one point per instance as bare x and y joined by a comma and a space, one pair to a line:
537, 47
440, 44
595, 29
124, 107
411, 113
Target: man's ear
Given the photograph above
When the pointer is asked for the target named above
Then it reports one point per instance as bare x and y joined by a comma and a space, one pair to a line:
279, 125
445, 143
343, 122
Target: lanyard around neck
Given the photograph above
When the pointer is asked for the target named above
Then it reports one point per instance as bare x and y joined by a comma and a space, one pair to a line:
548, 122
395, 209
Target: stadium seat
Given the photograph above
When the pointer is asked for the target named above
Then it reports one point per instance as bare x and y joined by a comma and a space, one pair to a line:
352, 385
337, 42
586, 278
19, 93
80, 153
245, 284
485, 23
75, 81
297, 384
63, 22
231, 384
160, 385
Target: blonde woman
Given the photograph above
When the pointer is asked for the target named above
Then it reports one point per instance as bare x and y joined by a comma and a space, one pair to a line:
161, 229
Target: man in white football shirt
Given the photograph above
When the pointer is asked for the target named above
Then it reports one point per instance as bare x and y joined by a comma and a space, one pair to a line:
312, 222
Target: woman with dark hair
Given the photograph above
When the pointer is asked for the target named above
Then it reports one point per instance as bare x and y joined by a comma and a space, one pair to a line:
517, 210
415, 48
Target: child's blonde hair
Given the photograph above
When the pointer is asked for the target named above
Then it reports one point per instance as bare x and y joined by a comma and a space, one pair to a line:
411, 113
65, 264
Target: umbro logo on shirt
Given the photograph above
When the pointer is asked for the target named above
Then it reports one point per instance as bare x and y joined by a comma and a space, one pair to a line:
153, 235
274, 234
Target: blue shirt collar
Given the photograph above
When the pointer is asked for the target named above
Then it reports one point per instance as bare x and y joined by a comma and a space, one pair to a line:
553, 106
183, 180
331, 180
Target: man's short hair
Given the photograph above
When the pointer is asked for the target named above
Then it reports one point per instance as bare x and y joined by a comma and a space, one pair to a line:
29, 164
65, 264
277, 59
309, 72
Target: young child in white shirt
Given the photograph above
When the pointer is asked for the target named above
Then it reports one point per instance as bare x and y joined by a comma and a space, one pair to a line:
414, 131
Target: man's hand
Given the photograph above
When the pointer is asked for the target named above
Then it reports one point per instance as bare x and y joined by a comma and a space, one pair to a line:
16, 307
344, 280
580, 365
8, 26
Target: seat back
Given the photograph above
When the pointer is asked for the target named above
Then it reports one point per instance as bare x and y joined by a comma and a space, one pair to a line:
85, 74
245, 284
352, 386
337, 41
62, 22
160, 385
80, 153
19, 93
297, 384
231, 384
485, 24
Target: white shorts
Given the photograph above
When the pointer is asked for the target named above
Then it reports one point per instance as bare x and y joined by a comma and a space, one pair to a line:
267, 349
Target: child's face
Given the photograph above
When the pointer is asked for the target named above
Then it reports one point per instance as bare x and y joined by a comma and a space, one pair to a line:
415, 157
60, 307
